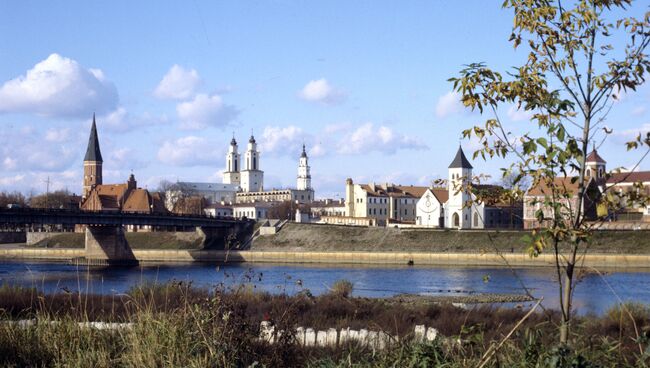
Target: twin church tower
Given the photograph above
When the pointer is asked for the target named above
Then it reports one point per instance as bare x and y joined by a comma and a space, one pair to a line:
251, 178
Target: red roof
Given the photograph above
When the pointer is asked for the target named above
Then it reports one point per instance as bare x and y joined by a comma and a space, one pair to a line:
629, 177
595, 157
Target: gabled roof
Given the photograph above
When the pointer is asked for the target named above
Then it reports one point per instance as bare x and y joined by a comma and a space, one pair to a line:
595, 157
629, 177
441, 194
460, 161
92, 152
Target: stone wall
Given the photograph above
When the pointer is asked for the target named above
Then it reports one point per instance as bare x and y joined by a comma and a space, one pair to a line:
35, 237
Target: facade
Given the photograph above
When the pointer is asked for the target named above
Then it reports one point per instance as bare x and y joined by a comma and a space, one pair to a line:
384, 203
252, 178
457, 214
430, 210
276, 195
92, 162
255, 211
219, 210
327, 207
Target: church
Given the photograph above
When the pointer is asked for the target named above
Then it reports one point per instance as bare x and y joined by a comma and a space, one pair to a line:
435, 207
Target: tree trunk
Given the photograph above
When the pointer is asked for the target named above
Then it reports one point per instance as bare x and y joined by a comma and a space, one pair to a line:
566, 301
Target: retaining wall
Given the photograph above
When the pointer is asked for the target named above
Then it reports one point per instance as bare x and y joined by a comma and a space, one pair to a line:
35, 237
385, 258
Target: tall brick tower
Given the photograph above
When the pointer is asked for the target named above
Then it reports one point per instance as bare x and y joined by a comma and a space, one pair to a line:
92, 162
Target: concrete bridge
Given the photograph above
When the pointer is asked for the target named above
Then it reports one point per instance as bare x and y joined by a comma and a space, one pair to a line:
105, 243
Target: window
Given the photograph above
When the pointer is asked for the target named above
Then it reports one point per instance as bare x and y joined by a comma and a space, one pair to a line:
475, 219
455, 220
254, 163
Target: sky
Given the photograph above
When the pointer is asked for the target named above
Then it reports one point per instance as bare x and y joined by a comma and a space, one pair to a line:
362, 83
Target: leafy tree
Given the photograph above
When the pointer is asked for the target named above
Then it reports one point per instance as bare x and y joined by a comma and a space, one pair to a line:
568, 83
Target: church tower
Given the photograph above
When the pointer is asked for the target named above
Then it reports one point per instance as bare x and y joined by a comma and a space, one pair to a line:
457, 215
252, 178
304, 177
231, 175
595, 166
92, 162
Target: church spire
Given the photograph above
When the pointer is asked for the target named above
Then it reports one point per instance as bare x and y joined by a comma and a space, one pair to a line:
93, 152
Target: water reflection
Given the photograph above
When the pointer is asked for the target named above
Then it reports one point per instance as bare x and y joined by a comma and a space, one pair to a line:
592, 295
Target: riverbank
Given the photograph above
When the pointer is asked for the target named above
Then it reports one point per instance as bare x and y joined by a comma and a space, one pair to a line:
139, 240
178, 325
601, 261
333, 238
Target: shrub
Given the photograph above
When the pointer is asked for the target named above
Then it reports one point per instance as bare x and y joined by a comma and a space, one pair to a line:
342, 288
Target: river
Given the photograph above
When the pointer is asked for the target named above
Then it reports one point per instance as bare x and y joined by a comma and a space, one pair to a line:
594, 294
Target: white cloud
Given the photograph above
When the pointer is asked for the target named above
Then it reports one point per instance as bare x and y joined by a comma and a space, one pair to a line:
59, 87
321, 91
367, 138
190, 151
317, 150
178, 84
9, 163
283, 140
12, 181
57, 135
519, 114
204, 111
121, 121
448, 105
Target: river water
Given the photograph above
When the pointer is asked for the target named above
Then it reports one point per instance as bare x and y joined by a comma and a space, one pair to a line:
594, 293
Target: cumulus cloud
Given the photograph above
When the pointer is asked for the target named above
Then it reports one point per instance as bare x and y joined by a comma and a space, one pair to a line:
59, 87
368, 138
178, 84
449, 104
283, 140
322, 92
204, 111
190, 151
23, 150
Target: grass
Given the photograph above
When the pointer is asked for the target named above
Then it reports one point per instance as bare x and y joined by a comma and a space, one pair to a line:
310, 237
176, 324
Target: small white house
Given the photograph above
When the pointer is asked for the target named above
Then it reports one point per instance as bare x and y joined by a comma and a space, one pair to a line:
219, 210
256, 211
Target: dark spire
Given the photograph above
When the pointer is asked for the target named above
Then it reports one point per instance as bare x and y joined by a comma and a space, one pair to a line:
233, 142
252, 139
460, 161
93, 153
304, 153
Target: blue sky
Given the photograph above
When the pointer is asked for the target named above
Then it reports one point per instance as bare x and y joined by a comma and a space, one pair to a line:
362, 83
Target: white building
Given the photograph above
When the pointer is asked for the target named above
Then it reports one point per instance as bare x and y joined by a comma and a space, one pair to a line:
231, 174
304, 176
457, 214
219, 210
430, 211
252, 178
213, 192
256, 211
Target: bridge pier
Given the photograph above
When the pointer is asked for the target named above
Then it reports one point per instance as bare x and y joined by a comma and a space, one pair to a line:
107, 245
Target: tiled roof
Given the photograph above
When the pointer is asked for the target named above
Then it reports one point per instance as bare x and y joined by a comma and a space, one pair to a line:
441, 194
629, 177
137, 201
394, 190
541, 189
595, 157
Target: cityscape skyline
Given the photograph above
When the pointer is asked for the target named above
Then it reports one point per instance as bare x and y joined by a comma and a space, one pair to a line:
363, 86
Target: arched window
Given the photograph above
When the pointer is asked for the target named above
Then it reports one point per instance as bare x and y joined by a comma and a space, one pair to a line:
588, 172
455, 219
475, 219
254, 163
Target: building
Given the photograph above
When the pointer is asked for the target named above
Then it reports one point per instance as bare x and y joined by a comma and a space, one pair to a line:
327, 207
251, 178
231, 175
219, 210
382, 202
430, 211
540, 192
255, 211
304, 175
212, 192
92, 163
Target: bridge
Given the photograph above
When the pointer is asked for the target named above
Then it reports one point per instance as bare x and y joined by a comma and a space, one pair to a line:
105, 242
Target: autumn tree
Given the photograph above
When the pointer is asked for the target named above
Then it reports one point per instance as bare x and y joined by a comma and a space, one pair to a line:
568, 83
